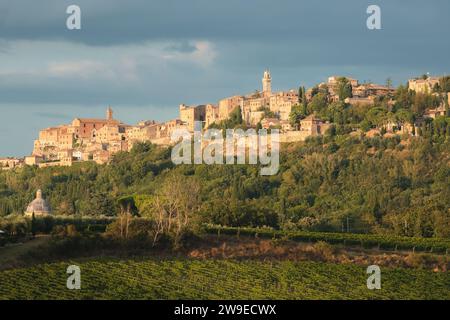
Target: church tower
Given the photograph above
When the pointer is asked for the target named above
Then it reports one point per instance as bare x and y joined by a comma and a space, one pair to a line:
109, 114
267, 83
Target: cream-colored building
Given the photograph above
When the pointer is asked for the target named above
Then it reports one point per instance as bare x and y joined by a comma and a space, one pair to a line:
314, 126
33, 160
228, 105
211, 115
39, 206
281, 103
333, 81
110, 133
423, 85
360, 101
144, 131
10, 163
435, 112
189, 115
84, 136
332, 84
65, 157
267, 84
253, 110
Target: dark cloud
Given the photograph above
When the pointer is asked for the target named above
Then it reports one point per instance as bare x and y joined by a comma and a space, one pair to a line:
113, 21
52, 115
276, 32
301, 42
183, 46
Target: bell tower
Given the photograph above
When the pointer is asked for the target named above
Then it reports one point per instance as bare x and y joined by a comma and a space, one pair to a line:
267, 83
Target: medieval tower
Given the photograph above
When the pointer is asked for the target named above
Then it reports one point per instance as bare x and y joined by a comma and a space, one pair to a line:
267, 83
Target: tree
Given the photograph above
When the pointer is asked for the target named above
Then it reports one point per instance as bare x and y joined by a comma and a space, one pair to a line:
405, 116
365, 125
124, 219
175, 204
33, 224
377, 116
403, 98
236, 116
422, 101
336, 112
314, 91
301, 95
344, 88
298, 112
389, 82
446, 106
282, 212
318, 104
444, 84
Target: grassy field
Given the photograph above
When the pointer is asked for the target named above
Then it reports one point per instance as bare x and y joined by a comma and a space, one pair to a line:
218, 279
10, 254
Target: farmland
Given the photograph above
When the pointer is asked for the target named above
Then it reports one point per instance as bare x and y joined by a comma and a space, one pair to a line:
438, 245
109, 278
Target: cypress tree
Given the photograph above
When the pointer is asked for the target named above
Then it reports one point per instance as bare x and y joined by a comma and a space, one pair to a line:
33, 224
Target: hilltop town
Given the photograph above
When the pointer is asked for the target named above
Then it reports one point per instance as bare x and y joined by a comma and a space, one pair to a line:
89, 139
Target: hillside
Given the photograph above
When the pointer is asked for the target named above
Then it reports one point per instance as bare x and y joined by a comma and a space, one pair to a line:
331, 183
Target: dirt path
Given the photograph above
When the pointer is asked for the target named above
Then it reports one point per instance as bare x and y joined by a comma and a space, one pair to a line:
9, 255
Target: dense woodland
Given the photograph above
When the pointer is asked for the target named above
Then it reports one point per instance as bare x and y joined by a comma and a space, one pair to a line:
325, 184
338, 182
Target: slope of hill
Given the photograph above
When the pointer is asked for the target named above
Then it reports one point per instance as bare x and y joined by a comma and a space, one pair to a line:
330, 183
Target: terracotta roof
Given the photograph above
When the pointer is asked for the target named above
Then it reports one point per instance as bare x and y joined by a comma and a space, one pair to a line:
96, 120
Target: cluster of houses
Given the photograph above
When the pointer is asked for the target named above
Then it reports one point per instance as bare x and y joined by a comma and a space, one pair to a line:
90, 139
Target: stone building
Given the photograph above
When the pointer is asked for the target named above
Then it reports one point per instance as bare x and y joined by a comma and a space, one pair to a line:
228, 105
435, 112
84, 136
109, 133
310, 126
275, 123
376, 90
189, 115
33, 160
165, 130
423, 85
38, 207
360, 101
86, 128
10, 163
332, 85
267, 84
314, 126
333, 81
144, 131
253, 110
281, 103
65, 157
211, 115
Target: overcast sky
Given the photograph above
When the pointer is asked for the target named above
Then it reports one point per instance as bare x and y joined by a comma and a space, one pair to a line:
145, 57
